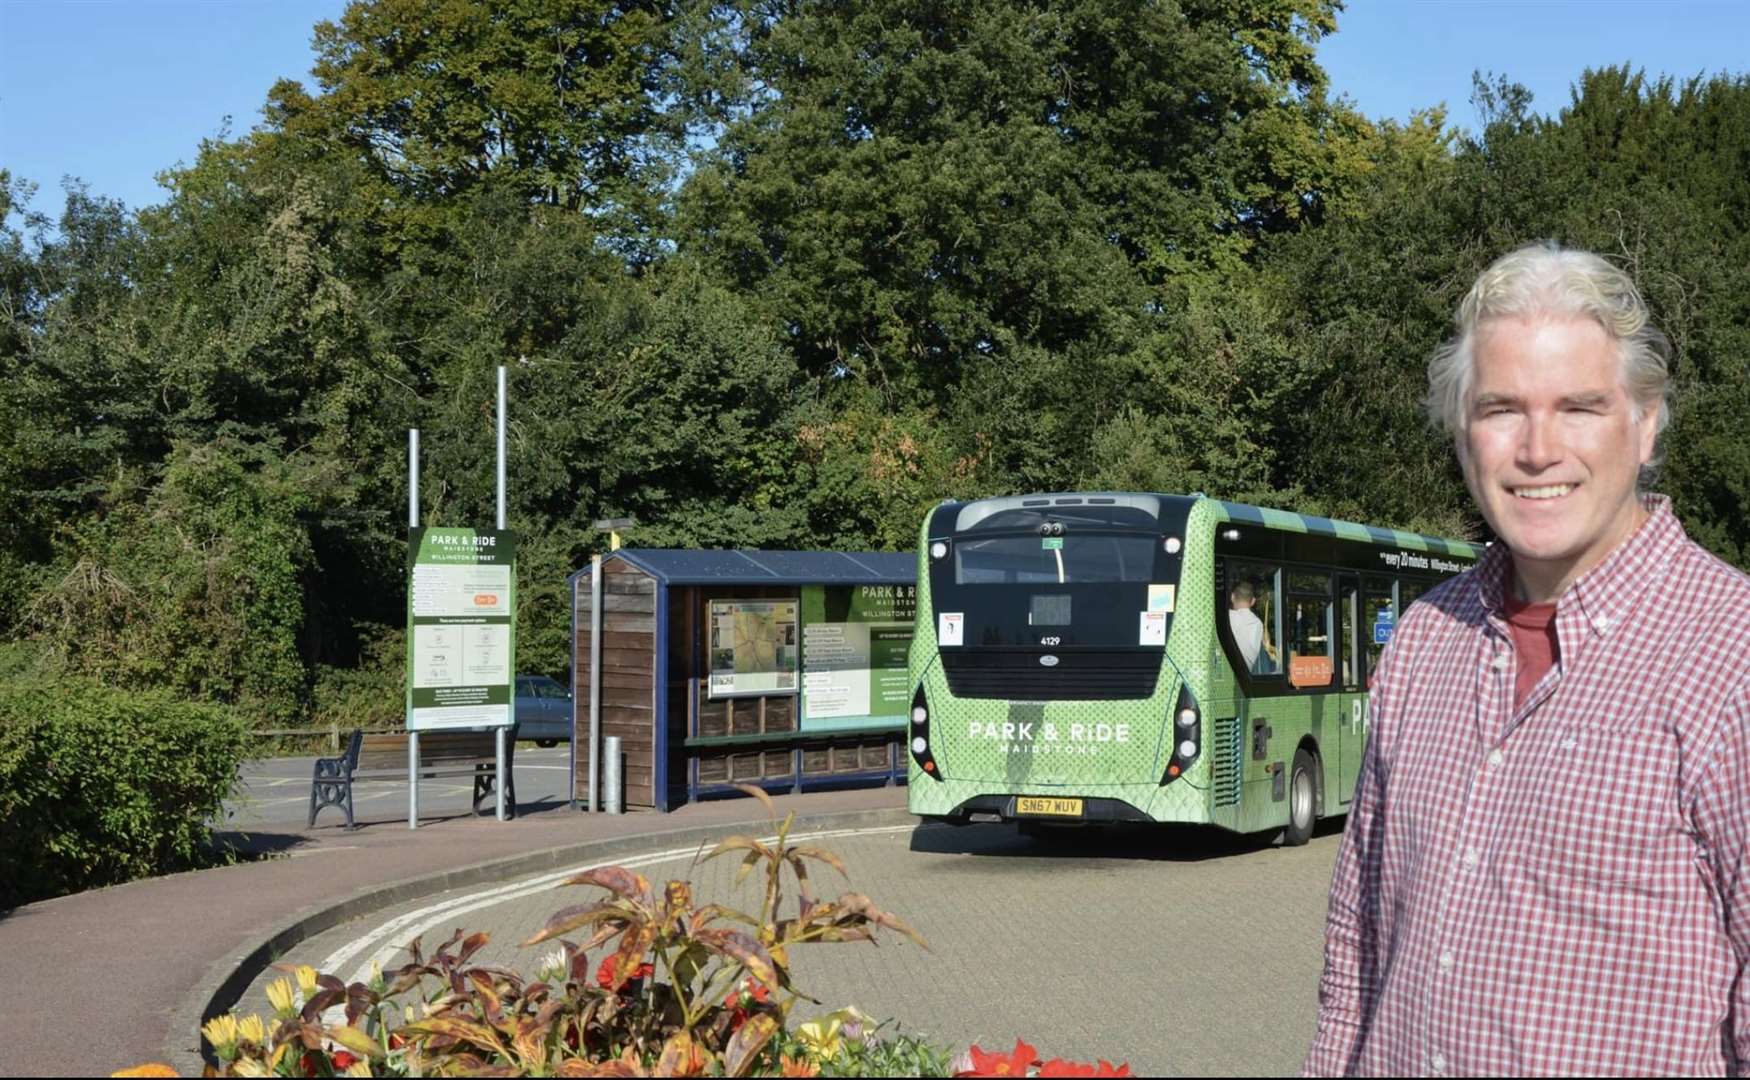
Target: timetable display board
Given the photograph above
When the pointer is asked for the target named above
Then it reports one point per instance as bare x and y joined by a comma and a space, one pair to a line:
461, 628
752, 647
855, 643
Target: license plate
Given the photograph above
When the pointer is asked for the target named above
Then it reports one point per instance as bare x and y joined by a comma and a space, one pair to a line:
1048, 807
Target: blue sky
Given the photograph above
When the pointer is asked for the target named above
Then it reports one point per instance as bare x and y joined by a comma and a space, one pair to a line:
114, 91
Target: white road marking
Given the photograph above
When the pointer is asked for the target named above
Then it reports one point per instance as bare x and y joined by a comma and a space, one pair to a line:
406, 927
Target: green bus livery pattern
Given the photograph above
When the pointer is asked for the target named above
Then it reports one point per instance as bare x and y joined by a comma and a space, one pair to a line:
1119, 749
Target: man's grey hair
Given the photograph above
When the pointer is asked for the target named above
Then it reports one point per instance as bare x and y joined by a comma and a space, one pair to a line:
1548, 279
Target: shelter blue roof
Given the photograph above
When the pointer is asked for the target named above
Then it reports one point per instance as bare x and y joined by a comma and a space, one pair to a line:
745, 567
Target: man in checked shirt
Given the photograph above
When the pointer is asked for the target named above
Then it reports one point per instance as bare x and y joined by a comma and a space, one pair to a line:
1545, 864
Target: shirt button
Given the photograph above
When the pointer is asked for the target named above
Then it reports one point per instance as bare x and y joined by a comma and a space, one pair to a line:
1447, 960
1500, 662
1496, 757
1601, 623
1471, 856
1437, 1063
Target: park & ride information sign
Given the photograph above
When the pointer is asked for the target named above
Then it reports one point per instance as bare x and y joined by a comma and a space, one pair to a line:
461, 628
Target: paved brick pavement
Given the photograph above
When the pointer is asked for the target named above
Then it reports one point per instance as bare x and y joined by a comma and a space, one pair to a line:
119, 976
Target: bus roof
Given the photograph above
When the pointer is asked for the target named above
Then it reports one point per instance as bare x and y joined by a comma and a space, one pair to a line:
971, 512
1289, 521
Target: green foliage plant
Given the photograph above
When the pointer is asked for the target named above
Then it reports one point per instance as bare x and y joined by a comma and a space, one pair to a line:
99, 786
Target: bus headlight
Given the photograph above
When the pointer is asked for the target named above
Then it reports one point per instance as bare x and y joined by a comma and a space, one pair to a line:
1190, 736
1172, 545
920, 736
939, 549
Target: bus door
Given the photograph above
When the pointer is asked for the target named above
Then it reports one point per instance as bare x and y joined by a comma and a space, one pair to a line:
1352, 691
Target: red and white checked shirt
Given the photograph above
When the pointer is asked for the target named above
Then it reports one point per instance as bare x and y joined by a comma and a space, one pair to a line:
1558, 888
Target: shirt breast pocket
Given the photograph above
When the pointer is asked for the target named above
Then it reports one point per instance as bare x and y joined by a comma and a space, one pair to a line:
1609, 832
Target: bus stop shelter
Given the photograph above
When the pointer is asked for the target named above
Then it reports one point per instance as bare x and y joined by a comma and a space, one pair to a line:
782, 669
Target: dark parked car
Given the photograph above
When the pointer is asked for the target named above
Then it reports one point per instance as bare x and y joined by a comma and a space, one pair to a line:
543, 710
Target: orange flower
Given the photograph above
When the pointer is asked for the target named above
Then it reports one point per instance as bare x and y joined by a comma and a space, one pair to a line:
1015, 1063
158, 1068
790, 1066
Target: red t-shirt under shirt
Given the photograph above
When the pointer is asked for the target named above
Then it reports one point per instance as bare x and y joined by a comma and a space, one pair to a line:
1534, 638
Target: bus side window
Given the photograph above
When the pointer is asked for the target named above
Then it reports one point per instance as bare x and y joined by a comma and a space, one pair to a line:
1311, 662
1254, 614
1376, 600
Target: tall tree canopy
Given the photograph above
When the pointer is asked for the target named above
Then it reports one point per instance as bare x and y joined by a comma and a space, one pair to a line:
783, 273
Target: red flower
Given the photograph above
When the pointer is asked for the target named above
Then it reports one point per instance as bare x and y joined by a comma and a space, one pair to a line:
604, 975
1015, 1063
342, 1060
750, 987
1108, 1069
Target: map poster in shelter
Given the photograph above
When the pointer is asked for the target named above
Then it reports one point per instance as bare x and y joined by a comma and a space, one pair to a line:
461, 628
855, 641
753, 647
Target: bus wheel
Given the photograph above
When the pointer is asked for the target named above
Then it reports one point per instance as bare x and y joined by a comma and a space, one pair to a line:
1302, 801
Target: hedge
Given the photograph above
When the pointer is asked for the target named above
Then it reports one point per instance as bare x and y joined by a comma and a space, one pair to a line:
100, 786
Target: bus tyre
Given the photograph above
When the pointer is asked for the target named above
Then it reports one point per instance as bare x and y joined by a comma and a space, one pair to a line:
1303, 800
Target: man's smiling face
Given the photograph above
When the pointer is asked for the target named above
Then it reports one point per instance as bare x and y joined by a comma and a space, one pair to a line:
1553, 445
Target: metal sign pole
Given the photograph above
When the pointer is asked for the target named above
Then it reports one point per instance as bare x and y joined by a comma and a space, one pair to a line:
595, 677
412, 735
503, 731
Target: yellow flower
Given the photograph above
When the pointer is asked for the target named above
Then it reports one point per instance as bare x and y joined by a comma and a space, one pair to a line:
820, 1036
279, 995
250, 1067
151, 1068
221, 1031
251, 1030
306, 980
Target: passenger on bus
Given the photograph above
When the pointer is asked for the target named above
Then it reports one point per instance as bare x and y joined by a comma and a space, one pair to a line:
1248, 629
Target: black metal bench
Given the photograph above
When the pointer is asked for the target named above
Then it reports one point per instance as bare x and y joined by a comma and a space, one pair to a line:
384, 757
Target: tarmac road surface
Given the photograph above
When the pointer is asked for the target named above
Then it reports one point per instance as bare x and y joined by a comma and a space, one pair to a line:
1181, 951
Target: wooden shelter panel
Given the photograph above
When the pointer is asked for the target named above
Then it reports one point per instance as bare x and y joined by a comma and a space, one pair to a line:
713, 719
628, 676
714, 770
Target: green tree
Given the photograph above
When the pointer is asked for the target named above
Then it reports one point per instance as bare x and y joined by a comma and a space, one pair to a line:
556, 101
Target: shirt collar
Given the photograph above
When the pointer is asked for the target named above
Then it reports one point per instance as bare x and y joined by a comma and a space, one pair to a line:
1603, 594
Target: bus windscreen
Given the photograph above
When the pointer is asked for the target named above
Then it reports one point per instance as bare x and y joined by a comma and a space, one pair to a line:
1035, 560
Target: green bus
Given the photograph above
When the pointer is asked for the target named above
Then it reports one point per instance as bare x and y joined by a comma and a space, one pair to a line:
1104, 657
